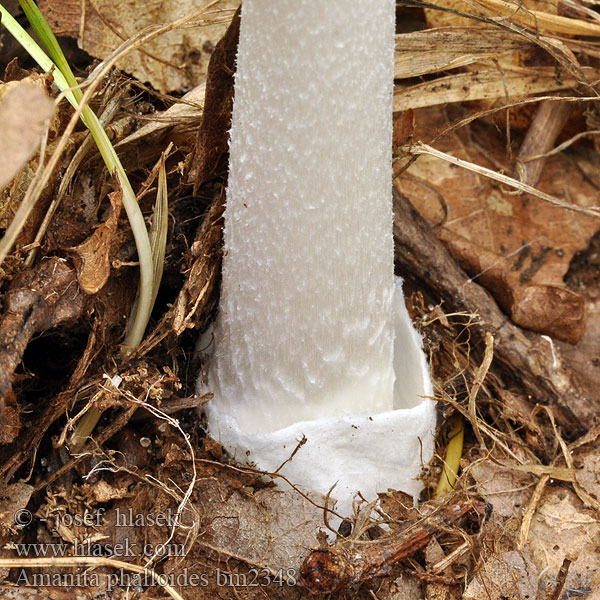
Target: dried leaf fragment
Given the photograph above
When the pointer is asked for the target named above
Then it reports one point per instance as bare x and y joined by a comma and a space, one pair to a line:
24, 109
92, 257
506, 575
13, 513
505, 489
588, 477
271, 528
548, 309
564, 528
13, 498
175, 60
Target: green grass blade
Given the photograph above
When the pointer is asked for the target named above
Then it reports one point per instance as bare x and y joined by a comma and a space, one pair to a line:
134, 214
40, 26
34, 50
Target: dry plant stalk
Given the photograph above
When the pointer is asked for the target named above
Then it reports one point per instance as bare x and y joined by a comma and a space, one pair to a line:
486, 84
547, 123
421, 148
479, 377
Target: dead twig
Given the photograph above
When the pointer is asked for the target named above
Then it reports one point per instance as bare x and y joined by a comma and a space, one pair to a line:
330, 569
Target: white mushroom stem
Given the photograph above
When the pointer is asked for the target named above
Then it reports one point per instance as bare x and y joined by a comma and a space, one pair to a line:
313, 338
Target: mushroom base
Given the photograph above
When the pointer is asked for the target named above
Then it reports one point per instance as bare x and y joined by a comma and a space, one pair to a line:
366, 453
369, 453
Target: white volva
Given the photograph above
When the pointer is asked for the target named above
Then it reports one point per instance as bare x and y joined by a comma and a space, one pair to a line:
312, 337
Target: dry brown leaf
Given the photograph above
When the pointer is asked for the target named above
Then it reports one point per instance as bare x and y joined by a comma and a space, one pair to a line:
588, 476
406, 588
24, 111
505, 575
564, 529
507, 490
102, 492
518, 247
404, 127
546, 309
13, 499
270, 528
92, 258
174, 61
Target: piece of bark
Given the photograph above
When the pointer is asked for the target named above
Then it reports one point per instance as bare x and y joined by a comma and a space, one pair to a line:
212, 143
528, 359
201, 286
38, 299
